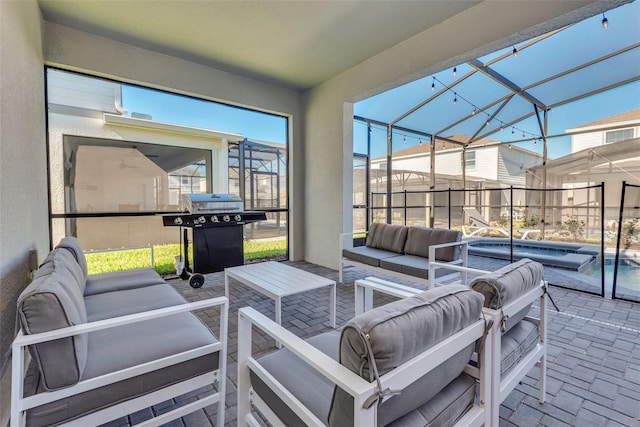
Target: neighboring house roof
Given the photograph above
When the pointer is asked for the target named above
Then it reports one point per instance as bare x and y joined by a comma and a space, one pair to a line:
627, 116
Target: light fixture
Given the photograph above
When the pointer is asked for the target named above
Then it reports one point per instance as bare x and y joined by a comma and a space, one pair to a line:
473, 113
404, 139
605, 25
455, 98
509, 146
513, 131
514, 52
433, 85
420, 141
501, 126
455, 70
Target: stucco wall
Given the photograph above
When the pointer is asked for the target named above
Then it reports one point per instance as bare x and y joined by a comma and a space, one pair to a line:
24, 224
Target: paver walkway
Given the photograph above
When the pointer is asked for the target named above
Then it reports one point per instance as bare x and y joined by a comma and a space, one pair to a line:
594, 352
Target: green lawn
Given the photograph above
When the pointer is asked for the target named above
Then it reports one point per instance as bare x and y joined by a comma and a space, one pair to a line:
164, 255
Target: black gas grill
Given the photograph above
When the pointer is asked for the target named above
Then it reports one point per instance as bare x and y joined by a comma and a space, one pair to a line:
217, 223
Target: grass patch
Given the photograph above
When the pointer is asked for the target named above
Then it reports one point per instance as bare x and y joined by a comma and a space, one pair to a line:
164, 256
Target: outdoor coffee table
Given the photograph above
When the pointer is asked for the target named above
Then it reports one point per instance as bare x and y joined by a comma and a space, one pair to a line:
277, 280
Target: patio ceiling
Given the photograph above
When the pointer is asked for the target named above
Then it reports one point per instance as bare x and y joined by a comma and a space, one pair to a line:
505, 97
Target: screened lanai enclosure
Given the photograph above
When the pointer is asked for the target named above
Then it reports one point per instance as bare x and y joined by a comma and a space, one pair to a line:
121, 155
532, 151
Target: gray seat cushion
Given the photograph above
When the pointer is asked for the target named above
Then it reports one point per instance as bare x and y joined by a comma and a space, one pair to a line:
121, 303
53, 300
508, 283
367, 255
412, 265
420, 238
297, 377
388, 237
398, 332
126, 346
121, 280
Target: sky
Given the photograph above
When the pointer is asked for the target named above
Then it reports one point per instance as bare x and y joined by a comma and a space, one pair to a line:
578, 44
582, 42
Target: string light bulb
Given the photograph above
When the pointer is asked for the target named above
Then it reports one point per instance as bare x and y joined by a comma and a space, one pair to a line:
473, 113
433, 85
509, 146
513, 131
455, 98
514, 52
455, 70
605, 25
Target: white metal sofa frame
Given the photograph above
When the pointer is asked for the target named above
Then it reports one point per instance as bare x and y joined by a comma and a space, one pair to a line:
500, 387
353, 384
20, 404
342, 262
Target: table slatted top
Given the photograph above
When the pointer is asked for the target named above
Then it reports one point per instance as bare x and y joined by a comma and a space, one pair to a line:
278, 278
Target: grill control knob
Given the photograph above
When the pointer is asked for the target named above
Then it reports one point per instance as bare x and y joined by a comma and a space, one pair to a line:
202, 220
237, 218
226, 218
177, 221
214, 219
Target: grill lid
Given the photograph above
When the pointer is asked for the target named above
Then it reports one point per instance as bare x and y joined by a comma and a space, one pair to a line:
208, 203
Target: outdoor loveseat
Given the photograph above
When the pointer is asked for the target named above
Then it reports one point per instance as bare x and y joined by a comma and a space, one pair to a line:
403, 251
403, 364
518, 341
109, 345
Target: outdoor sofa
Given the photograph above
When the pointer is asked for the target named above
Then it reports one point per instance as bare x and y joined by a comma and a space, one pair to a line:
518, 342
403, 364
403, 251
110, 345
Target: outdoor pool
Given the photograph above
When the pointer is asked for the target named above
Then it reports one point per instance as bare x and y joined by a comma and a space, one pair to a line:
554, 254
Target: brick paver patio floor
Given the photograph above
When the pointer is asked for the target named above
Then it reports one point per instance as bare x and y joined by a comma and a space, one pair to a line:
594, 353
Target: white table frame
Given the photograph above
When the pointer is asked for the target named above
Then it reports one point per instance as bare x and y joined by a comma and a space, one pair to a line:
277, 280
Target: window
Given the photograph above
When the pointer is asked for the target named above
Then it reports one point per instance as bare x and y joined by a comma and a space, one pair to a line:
470, 160
119, 155
618, 135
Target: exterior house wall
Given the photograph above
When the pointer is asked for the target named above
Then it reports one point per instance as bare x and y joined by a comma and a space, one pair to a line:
597, 137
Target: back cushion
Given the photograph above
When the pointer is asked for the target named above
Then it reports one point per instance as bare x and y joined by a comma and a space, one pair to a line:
52, 301
398, 332
420, 238
73, 245
62, 258
507, 284
390, 237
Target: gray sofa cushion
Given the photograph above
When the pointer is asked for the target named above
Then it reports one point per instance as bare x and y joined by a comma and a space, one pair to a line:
73, 245
507, 284
389, 237
368, 255
516, 343
419, 239
411, 264
121, 280
53, 300
398, 332
298, 377
66, 260
126, 346
445, 409
121, 303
